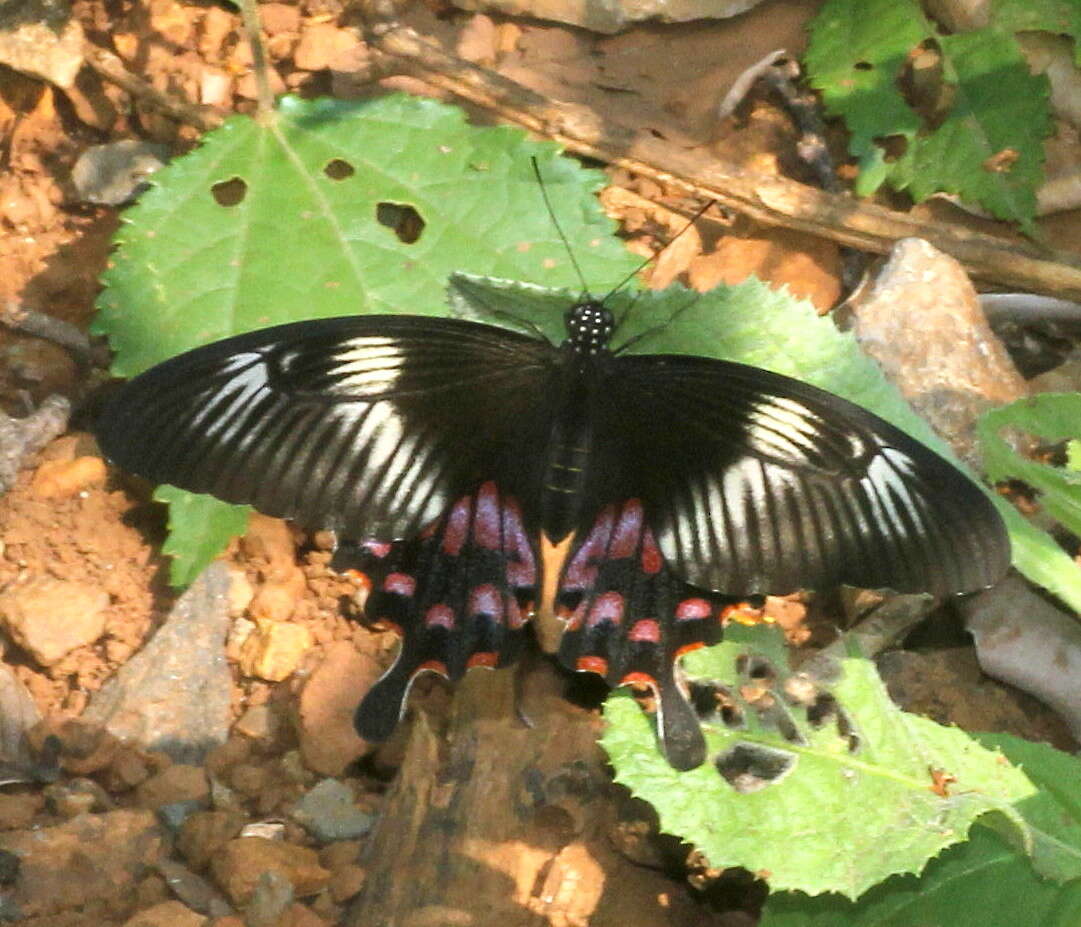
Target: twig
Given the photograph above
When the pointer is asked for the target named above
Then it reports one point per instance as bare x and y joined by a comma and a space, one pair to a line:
204, 118
72, 339
767, 199
265, 99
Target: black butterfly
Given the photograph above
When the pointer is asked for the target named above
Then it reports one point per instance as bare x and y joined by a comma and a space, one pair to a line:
444, 452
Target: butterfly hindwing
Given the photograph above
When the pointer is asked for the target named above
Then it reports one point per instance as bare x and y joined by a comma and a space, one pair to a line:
757, 483
367, 425
460, 595
629, 618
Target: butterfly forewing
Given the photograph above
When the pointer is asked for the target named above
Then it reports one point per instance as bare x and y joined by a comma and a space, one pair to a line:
368, 425
754, 482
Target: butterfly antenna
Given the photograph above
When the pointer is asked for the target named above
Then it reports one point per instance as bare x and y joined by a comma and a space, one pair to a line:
555, 222
649, 260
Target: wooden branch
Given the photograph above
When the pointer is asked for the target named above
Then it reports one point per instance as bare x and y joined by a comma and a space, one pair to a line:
495, 822
110, 67
766, 199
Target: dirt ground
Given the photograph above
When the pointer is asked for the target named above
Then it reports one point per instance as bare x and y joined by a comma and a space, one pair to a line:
86, 540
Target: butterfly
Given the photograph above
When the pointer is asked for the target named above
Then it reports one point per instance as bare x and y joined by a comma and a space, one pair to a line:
450, 456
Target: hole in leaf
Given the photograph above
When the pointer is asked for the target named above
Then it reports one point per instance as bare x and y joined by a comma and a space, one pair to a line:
712, 701
751, 767
337, 169
229, 192
863, 66
847, 730
821, 709
403, 220
786, 727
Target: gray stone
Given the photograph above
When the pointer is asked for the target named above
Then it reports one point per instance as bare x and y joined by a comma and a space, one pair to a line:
174, 694
327, 812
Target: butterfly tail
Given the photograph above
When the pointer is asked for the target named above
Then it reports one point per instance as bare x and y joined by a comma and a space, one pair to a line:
459, 595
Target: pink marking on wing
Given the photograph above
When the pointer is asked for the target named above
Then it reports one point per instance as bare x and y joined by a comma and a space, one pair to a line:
439, 616
627, 531
457, 528
693, 609
647, 630
521, 566
581, 572
486, 600
400, 583
607, 607
377, 548
486, 527
652, 561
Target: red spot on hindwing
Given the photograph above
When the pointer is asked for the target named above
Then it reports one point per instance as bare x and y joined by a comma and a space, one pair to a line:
597, 665
457, 527
646, 630
485, 658
581, 571
439, 616
652, 561
627, 531
486, 600
377, 549
693, 610
488, 519
606, 608
400, 584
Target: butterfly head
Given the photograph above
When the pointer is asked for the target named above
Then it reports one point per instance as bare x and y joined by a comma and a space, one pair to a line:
589, 327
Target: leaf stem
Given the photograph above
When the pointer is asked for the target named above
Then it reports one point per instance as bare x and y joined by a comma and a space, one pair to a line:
264, 98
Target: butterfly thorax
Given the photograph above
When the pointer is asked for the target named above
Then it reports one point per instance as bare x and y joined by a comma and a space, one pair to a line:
589, 328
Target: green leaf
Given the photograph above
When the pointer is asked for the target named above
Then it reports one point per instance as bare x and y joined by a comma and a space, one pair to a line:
1057, 16
1052, 417
301, 244
837, 819
999, 107
984, 882
199, 529
305, 239
855, 54
988, 145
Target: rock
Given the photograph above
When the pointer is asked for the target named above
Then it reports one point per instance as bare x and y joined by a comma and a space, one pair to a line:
166, 914
78, 796
607, 16
242, 861
174, 695
260, 723
93, 860
61, 479
274, 650
249, 779
174, 784
271, 899
328, 813
810, 267
114, 174
340, 853
204, 834
9, 867
241, 592
38, 39
17, 811
922, 323
346, 881
195, 891
50, 617
322, 45
85, 747
306, 917
279, 17
328, 740
18, 715
173, 814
